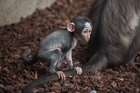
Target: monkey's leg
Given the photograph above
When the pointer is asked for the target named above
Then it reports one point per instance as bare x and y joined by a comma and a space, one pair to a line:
56, 58
59, 73
70, 62
60, 62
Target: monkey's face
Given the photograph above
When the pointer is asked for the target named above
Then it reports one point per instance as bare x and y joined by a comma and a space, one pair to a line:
86, 33
81, 29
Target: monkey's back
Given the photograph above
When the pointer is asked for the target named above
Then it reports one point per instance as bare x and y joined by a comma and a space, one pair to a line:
58, 39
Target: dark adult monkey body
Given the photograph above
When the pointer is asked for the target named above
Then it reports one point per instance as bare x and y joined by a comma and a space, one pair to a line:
59, 44
115, 38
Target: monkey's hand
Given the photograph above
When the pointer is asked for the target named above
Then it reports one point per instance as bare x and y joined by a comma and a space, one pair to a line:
79, 70
61, 75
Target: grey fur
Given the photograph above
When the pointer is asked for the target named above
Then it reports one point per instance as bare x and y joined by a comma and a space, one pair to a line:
52, 49
57, 45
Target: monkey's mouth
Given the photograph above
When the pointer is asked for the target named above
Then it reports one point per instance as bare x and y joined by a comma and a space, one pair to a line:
85, 41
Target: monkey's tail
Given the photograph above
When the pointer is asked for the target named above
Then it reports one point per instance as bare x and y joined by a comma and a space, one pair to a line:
25, 59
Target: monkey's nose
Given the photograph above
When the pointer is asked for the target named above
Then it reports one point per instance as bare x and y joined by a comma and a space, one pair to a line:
87, 40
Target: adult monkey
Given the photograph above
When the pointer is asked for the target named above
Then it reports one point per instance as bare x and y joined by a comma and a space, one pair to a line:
116, 33
115, 38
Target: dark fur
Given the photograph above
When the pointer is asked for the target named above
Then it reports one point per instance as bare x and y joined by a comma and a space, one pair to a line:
113, 41
116, 43
61, 39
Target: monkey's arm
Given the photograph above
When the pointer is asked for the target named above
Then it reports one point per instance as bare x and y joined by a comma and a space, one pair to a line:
70, 62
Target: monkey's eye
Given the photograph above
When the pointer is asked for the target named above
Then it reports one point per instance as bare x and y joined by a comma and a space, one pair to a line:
90, 31
85, 31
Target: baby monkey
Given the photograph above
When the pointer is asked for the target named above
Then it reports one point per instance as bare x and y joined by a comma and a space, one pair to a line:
59, 44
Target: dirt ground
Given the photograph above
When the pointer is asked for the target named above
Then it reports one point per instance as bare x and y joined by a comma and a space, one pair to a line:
28, 33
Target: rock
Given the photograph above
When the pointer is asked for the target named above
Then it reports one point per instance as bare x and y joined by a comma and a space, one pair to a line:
12, 10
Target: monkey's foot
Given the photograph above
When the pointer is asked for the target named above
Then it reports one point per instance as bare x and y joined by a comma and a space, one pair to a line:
138, 59
79, 70
61, 75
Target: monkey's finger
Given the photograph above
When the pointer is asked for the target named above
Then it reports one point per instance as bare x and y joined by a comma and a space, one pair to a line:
61, 75
58, 74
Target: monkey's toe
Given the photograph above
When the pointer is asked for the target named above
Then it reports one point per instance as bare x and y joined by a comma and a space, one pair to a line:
61, 75
79, 70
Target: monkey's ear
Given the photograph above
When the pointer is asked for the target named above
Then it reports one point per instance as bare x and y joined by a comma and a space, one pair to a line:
71, 27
